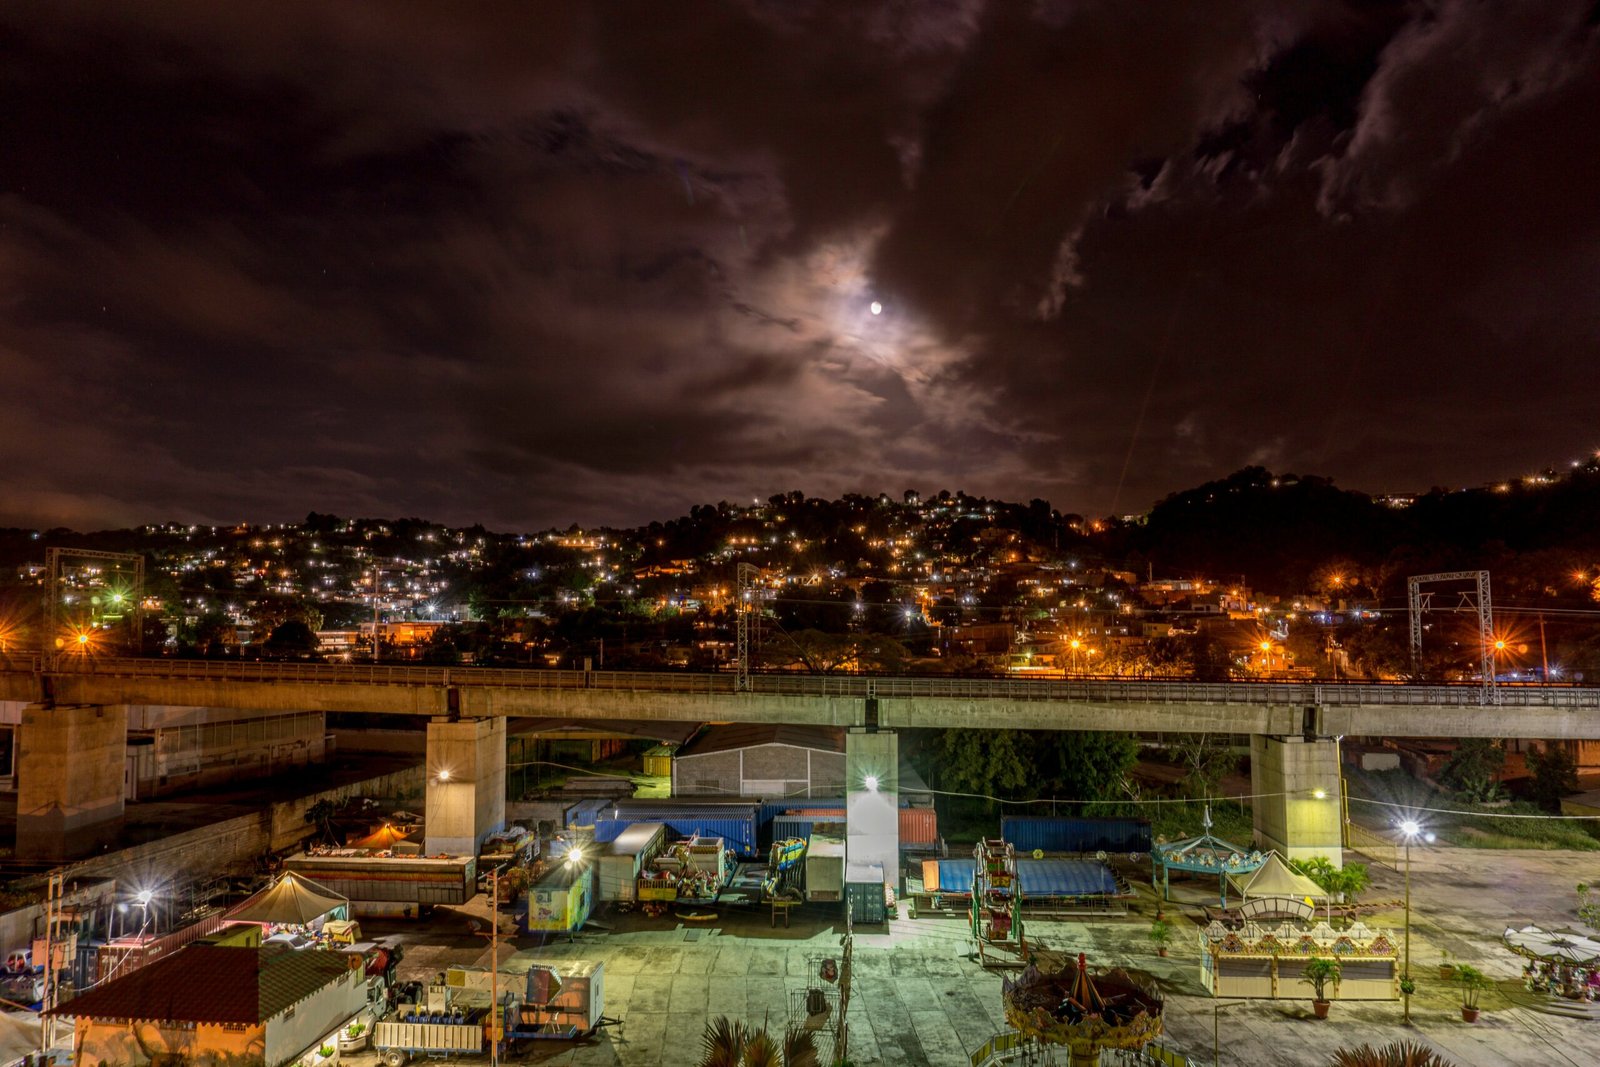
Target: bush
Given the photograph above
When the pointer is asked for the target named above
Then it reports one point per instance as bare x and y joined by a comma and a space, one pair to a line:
1555, 773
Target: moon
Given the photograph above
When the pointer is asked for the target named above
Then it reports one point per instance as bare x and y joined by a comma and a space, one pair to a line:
877, 308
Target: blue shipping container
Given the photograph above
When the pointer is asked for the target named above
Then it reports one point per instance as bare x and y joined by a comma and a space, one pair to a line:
771, 809
788, 826
1027, 833
586, 812
734, 823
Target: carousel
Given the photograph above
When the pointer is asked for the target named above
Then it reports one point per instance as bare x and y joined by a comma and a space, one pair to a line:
1206, 854
1057, 1002
1560, 962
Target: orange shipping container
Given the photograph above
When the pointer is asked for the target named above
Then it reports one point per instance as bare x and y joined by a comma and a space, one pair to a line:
918, 826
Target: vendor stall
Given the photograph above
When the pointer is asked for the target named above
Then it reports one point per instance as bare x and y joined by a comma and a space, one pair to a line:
1268, 961
1206, 854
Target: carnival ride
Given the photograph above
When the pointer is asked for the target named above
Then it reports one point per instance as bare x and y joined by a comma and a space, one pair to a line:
1059, 1003
783, 885
996, 913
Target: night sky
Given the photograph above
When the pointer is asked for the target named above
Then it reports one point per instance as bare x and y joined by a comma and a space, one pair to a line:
533, 263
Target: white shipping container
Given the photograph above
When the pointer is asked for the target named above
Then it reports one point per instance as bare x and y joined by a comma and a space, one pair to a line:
825, 868
617, 872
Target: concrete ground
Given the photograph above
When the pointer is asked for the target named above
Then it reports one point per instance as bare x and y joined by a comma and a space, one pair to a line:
920, 999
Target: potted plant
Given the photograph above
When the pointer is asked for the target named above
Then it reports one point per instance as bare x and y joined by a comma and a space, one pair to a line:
1320, 970
1447, 968
354, 1037
1473, 982
1161, 935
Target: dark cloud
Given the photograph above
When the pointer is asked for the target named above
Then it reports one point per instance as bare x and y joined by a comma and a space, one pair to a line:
530, 264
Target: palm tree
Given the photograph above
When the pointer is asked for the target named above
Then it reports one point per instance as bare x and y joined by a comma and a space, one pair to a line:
1397, 1054
729, 1043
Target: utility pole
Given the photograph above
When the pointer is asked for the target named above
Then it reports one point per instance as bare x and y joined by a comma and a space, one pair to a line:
377, 576
744, 588
1544, 655
496, 1020
47, 1028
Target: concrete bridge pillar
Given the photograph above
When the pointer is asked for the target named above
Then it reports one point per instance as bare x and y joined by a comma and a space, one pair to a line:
466, 797
1297, 801
70, 767
872, 804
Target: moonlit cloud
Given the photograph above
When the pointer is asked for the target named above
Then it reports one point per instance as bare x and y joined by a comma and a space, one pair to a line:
536, 264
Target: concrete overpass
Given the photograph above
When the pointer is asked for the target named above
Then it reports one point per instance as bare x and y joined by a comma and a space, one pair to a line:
1322, 709
76, 722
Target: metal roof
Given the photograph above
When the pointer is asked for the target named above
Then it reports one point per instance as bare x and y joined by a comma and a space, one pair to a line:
212, 984
734, 736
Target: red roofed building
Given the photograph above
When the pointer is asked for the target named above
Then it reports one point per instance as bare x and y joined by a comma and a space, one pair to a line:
215, 1005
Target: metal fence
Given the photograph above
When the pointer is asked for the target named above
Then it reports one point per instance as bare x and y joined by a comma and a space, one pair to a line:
1022, 690
1018, 1050
1375, 847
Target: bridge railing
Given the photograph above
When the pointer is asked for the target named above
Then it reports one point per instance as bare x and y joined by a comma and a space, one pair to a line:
851, 686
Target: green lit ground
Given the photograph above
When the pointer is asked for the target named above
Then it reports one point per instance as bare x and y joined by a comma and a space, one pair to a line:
920, 1000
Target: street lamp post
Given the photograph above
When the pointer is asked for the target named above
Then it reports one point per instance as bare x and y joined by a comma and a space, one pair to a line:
1409, 830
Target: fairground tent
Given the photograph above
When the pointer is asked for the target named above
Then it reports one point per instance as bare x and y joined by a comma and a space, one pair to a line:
292, 900
1274, 879
1206, 854
19, 1036
381, 839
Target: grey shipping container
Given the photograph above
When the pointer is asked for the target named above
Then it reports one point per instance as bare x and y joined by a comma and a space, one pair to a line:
1045, 833
863, 890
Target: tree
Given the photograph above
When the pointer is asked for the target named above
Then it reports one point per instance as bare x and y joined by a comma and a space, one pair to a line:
990, 762
728, 1043
1396, 1054
1088, 766
1474, 768
321, 816
1206, 759
291, 637
1555, 773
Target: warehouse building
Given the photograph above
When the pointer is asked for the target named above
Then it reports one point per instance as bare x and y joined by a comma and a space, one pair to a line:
761, 760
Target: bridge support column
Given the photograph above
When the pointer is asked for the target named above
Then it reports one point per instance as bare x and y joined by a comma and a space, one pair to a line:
70, 766
872, 804
466, 784
1297, 803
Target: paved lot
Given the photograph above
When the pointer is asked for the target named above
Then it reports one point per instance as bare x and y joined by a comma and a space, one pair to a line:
920, 999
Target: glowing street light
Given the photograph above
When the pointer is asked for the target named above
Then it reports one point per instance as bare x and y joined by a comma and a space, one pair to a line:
1409, 829
444, 775
871, 782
